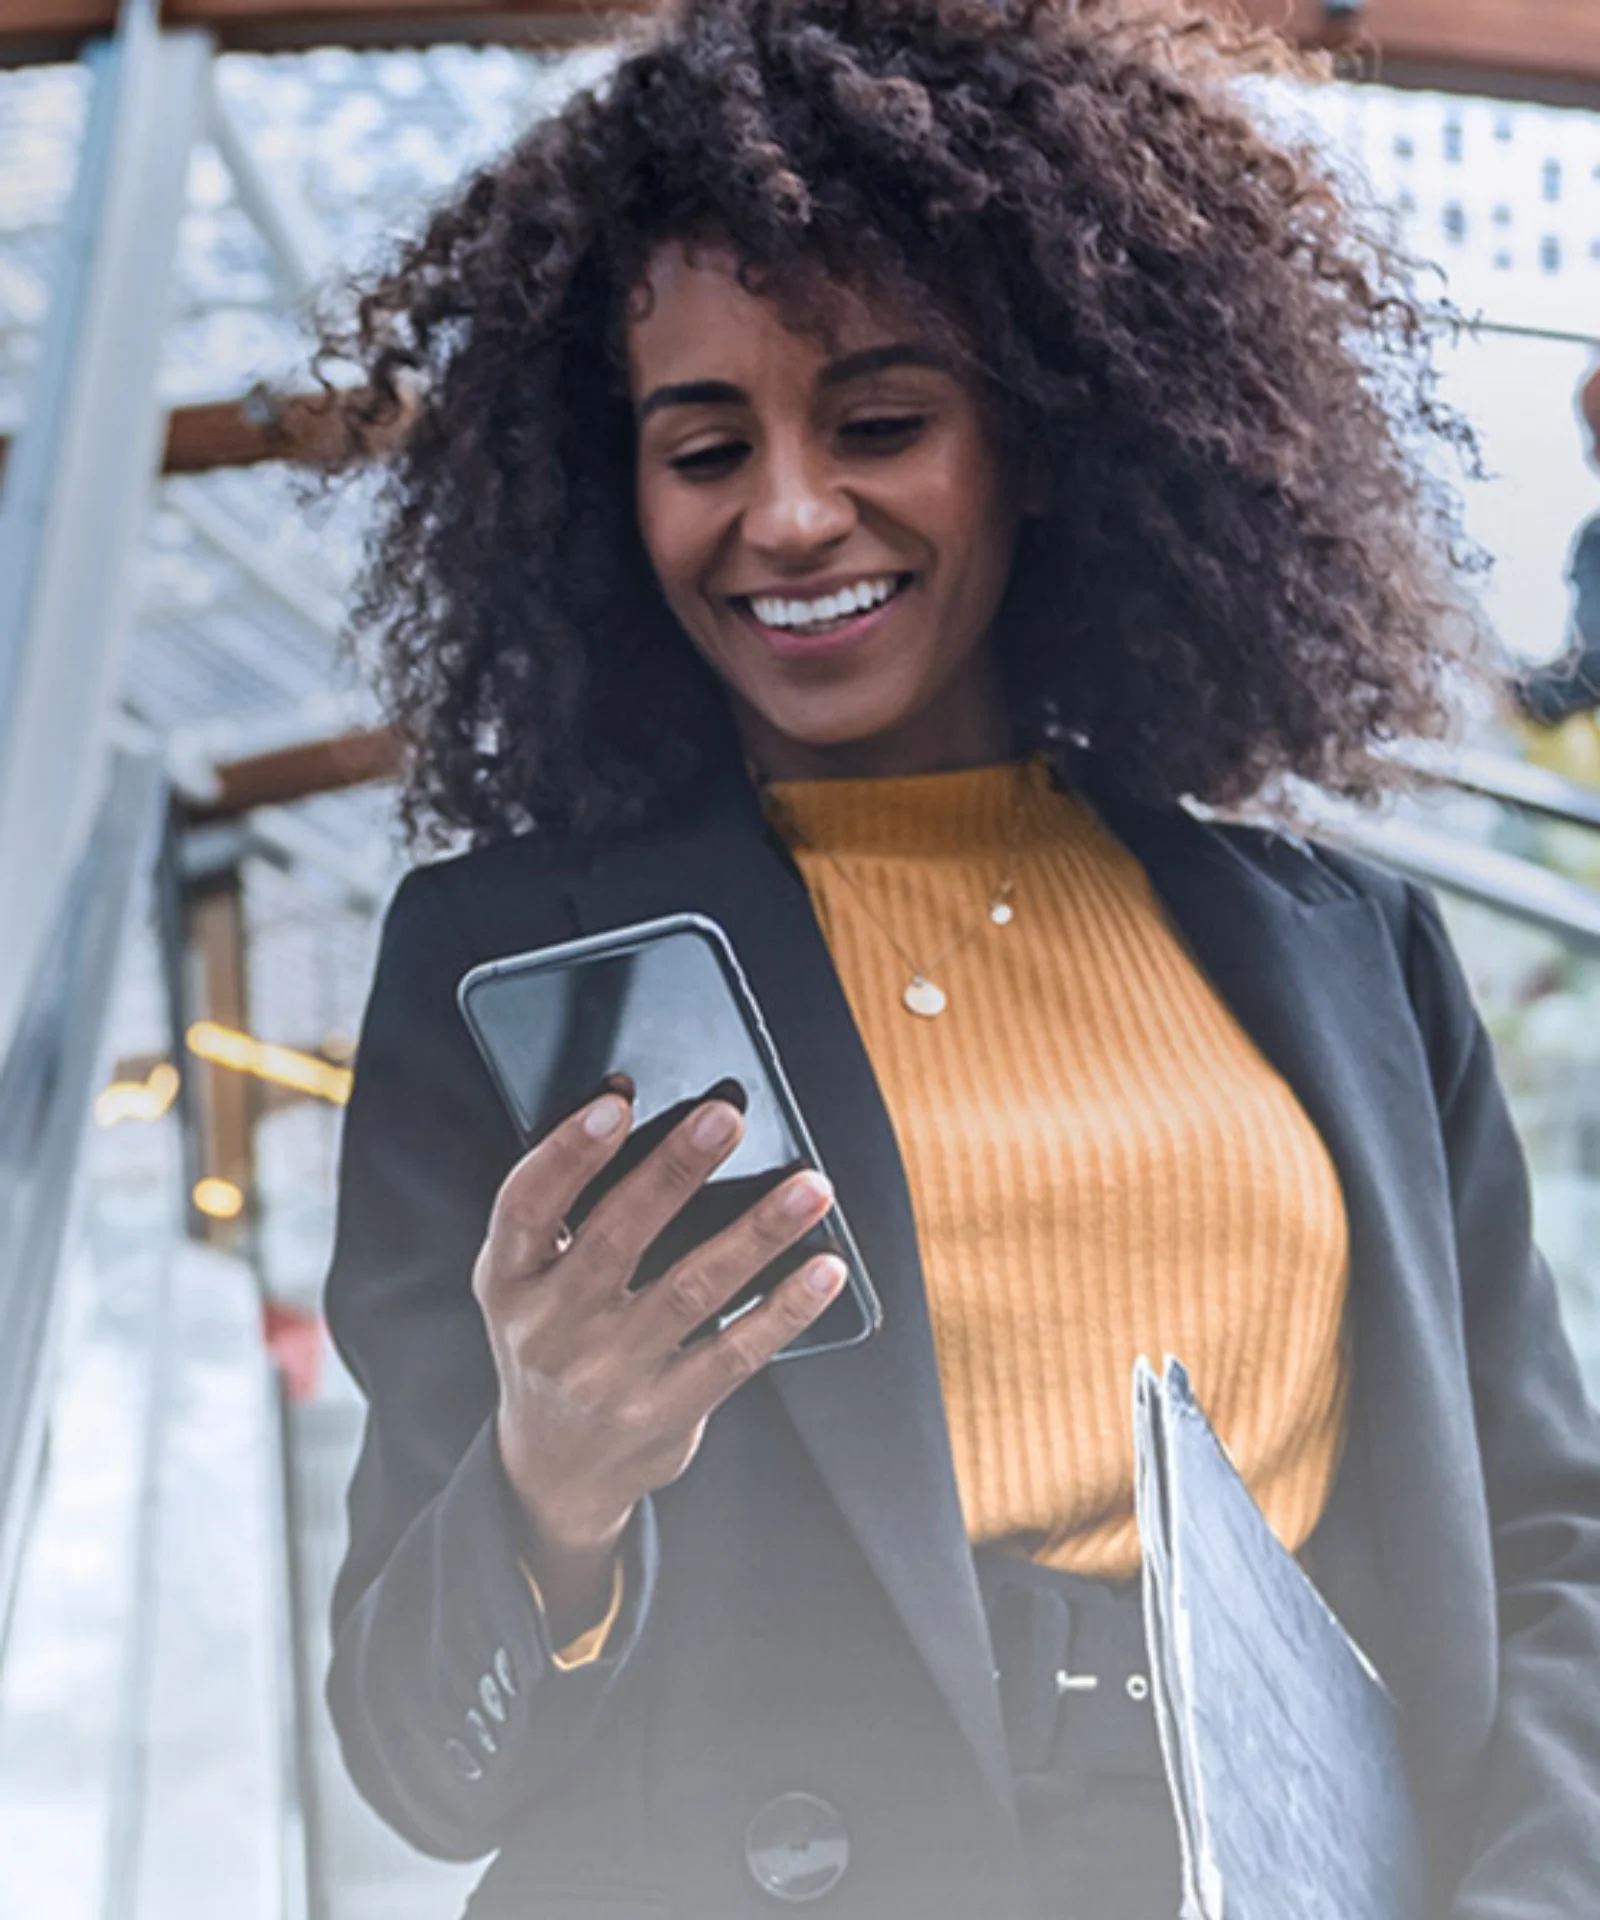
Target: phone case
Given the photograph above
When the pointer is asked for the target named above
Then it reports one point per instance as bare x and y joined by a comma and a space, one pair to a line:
856, 1313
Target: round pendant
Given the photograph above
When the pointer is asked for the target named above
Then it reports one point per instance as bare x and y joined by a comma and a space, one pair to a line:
1000, 913
924, 998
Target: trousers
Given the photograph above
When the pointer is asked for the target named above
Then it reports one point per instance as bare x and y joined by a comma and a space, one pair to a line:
1097, 1823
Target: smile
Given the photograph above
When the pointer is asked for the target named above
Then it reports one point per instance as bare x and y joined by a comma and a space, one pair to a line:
824, 612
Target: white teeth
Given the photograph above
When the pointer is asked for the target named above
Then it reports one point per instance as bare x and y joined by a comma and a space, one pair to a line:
772, 612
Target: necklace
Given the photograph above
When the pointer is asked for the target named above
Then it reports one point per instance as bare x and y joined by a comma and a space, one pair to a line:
922, 994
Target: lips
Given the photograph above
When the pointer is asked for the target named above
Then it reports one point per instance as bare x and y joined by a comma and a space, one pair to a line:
801, 626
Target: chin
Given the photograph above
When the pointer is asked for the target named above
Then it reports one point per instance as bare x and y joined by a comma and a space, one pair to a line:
835, 729
836, 717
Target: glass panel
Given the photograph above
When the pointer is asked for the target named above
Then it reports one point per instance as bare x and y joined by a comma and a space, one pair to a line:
41, 124
1541, 1003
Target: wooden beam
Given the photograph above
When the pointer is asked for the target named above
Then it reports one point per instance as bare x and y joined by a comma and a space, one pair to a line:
283, 25
299, 772
243, 433
32, 31
1515, 48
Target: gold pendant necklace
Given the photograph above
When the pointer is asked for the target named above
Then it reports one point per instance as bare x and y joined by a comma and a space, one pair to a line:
922, 995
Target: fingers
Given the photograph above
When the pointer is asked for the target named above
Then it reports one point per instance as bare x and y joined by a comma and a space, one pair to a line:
629, 1216
645, 1138
705, 1375
707, 1278
536, 1195
546, 1184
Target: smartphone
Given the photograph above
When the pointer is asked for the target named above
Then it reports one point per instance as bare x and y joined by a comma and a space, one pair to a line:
666, 1004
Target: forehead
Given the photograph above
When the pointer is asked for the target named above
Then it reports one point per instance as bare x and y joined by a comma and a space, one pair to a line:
692, 316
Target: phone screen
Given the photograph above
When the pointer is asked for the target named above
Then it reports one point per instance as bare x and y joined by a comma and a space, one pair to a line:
665, 1005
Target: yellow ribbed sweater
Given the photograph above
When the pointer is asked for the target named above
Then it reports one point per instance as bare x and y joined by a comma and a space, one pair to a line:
1101, 1163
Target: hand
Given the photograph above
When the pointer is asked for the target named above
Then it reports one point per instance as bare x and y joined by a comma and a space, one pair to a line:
600, 1401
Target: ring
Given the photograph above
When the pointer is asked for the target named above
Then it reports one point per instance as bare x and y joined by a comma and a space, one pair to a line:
562, 1241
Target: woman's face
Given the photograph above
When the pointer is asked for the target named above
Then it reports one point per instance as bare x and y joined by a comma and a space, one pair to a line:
829, 520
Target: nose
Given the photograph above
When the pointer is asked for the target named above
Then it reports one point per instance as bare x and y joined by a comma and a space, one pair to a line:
797, 508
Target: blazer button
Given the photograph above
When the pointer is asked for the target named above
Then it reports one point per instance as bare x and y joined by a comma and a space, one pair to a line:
797, 1847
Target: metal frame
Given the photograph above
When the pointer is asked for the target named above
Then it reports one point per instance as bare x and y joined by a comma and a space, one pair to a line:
281, 218
1517, 783
81, 468
1509, 885
46, 1081
303, 592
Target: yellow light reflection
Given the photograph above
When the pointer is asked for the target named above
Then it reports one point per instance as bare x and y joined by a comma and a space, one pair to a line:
217, 1199
284, 1066
146, 1099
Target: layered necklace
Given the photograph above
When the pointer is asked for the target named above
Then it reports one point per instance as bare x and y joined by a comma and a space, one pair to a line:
922, 994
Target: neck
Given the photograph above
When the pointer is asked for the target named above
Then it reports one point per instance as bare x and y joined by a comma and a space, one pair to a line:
968, 726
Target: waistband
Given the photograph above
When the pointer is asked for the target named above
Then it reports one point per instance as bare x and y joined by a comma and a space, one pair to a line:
1073, 1671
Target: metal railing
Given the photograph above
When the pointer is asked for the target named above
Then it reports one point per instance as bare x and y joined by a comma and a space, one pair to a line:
1520, 888
47, 1082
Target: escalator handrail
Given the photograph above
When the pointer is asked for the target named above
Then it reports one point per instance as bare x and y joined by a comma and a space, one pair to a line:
1514, 783
48, 1075
1501, 881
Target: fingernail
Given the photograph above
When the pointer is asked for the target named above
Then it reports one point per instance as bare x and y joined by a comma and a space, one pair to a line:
824, 1277
713, 1125
805, 1196
604, 1117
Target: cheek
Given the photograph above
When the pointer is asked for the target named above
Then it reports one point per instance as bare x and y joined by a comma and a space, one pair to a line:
970, 515
963, 491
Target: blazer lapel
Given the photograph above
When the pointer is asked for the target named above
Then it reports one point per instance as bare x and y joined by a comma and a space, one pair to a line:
872, 1417
1316, 982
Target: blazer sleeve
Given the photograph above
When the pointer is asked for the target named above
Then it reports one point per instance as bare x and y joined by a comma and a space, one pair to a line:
452, 1713
1535, 1854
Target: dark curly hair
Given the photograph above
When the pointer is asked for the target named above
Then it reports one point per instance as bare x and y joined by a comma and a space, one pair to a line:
1245, 571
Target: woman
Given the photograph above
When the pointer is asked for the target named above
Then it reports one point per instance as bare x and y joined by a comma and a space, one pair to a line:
865, 465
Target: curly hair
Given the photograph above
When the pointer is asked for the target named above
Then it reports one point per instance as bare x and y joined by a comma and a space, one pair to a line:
1245, 574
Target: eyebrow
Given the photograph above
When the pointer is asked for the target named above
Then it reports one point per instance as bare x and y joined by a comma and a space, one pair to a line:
838, 373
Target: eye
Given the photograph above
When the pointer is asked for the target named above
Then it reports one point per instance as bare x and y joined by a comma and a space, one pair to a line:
710, 463
883, 432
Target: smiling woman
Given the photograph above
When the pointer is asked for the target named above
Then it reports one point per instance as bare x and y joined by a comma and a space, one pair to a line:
1205, 376
829, 519
871, 467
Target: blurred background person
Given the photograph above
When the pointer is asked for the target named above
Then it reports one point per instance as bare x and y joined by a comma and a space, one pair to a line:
1557, 701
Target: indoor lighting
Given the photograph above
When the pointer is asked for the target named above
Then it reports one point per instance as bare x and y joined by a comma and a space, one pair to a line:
284, 1066
217, 1199
146, 1099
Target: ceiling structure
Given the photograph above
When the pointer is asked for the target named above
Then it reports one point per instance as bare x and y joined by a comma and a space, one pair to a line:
1491, 46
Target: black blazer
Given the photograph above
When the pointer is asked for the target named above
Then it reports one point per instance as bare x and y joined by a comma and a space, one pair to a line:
802, 1614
